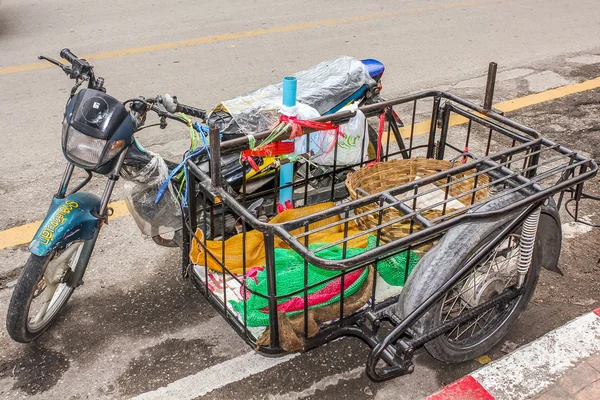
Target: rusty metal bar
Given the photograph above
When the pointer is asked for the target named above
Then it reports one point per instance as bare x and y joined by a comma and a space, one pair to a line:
489, 86
215, 156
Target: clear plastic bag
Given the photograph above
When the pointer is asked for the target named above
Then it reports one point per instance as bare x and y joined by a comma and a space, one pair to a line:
141, 189
322, 87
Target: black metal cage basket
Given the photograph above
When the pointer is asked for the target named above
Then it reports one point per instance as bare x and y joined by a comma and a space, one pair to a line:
497, 156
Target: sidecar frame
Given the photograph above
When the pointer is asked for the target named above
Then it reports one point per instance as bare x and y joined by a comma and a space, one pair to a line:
544, 169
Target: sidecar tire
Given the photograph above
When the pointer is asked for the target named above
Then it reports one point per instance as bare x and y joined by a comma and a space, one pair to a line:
438, 265
20, 302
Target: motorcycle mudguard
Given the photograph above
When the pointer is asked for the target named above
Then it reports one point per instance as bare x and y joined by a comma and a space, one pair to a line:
67, 220
550, 224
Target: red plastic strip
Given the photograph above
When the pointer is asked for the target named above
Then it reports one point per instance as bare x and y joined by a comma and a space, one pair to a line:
271, 149
380, 135
298, 124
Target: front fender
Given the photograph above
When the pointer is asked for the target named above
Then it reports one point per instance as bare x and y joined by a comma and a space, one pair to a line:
69, 219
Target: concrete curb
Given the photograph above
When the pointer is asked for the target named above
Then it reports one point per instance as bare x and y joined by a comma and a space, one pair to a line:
533, 367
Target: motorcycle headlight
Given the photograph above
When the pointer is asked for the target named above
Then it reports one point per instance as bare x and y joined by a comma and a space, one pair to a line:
86, 150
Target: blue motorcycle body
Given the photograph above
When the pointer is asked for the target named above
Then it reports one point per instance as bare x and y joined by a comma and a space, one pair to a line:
69, 219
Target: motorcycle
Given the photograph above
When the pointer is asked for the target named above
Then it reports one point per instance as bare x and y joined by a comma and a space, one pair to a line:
98, 136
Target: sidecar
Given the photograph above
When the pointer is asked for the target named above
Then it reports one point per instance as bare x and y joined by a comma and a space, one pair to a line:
439, 243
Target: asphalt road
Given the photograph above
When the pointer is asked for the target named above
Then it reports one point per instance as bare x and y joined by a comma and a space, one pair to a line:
135, 326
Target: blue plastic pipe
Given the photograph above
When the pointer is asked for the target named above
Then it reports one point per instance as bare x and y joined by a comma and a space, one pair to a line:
286, 171
289, 91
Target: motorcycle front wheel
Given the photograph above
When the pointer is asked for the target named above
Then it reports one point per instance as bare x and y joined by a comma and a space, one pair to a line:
41, 292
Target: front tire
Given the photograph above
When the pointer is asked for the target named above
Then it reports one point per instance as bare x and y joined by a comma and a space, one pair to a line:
25, 324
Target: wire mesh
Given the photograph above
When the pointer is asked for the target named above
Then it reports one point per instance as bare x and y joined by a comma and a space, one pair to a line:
449, 159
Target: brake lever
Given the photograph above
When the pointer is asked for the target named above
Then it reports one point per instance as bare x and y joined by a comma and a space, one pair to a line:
66, 69
163, 113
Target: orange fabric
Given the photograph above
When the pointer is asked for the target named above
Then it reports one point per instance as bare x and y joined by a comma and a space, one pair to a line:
255, 244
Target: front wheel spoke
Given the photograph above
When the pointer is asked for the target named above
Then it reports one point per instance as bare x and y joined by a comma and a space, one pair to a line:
46, 297
49, 292
39, 316
39, 288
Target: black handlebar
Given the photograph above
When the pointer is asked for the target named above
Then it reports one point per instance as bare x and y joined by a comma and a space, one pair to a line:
70, 57
79, 70
172, 105
191, 111
163, 113
165, 107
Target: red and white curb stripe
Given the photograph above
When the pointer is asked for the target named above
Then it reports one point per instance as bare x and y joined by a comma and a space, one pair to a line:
532, 368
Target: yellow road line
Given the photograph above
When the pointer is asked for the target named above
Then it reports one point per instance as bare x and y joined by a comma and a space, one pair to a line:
512, 105
552, 94
23, 234
119, 209
252, 33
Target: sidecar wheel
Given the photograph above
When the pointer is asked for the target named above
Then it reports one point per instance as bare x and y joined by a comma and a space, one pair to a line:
27, 318
487, 280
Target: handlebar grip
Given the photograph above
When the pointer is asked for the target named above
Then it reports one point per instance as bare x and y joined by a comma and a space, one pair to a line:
67, 55
191, 111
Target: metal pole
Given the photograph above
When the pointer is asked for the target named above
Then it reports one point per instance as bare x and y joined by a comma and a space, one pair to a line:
489, 86
433, 128
272, 288
444, 132
215, 156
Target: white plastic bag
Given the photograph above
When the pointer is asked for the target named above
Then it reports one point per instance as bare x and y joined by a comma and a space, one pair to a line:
350, 147
304, 112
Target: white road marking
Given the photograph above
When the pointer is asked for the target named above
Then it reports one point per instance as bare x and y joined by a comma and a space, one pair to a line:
215, 377
320, 385
537, 365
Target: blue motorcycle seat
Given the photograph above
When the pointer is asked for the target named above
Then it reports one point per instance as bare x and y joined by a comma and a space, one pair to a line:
374, 67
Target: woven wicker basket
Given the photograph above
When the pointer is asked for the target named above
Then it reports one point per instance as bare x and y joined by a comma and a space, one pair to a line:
391, 174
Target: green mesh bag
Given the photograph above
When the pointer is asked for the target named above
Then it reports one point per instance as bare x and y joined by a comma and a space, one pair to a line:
392, 269
289, 277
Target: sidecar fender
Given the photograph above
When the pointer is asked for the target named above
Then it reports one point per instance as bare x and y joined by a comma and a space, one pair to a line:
69, 219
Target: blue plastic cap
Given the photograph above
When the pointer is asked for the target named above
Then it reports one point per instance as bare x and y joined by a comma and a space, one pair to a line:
289, 91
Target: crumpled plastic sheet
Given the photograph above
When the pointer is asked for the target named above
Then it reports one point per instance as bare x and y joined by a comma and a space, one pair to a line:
154, 173
141, 189
322, 87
